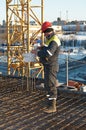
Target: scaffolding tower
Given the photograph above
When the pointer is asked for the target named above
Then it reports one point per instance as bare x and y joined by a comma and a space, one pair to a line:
24, 19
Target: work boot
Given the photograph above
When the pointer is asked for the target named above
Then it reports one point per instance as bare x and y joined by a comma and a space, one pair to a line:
46, 102
51, 106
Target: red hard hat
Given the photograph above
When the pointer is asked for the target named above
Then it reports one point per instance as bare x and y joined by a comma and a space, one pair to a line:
46, 25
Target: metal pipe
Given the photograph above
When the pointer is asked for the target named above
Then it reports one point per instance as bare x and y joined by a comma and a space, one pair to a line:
67, 70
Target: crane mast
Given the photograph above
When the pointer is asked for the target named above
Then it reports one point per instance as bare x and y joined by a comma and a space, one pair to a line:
21, 34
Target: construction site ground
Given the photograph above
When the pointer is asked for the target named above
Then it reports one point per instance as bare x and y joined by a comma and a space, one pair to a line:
23, 110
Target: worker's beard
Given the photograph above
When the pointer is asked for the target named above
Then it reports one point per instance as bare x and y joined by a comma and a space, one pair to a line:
49, 36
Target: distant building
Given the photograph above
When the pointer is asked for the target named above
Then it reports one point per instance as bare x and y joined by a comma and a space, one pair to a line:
3, 32
59, 26
76, 28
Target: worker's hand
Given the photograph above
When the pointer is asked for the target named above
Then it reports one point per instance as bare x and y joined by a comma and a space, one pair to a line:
34, 52
40, 47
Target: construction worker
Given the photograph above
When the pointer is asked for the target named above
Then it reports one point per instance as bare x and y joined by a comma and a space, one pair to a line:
49, 58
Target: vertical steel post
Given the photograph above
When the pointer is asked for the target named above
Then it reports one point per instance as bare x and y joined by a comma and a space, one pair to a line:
67, 69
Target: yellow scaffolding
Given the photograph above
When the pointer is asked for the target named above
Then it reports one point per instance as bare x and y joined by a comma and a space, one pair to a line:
21, 34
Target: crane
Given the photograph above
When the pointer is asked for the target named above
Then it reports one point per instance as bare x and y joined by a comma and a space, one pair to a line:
21, 34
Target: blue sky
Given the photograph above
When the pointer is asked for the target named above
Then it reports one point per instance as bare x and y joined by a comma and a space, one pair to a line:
66, 9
